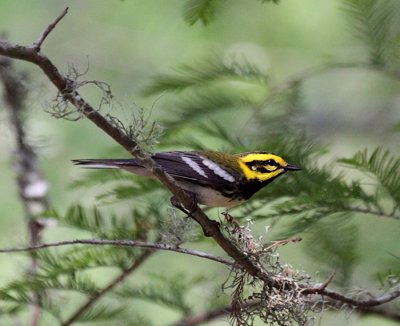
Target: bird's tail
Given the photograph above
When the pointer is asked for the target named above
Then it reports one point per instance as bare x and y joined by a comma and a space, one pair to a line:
107, 163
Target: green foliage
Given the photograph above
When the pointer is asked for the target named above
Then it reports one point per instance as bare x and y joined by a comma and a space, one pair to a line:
385, 167
100, 313
390, 276
137, 189
235, 106
168, 291
209, 87
137, 225
10, 310
320, 201
203, 10
202, 72
206, 10
96, 177
372, 20
333, 244
16, 296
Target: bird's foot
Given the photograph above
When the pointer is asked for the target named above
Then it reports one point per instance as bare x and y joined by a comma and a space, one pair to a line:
189, 212
193, 206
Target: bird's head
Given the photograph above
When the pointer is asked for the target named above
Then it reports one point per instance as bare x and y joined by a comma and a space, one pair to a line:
263, 166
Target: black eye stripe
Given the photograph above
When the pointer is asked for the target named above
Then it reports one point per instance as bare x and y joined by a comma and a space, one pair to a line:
256, 165
271, 162
262, 169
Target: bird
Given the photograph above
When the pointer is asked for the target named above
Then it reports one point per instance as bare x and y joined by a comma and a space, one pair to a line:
213, 179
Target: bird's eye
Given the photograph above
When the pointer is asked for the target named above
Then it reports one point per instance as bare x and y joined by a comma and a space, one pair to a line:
271, 162
262, 169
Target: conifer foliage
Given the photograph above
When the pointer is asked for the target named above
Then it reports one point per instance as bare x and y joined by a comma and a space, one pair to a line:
325, 204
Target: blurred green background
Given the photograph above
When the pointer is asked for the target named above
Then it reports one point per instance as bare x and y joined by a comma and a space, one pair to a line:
126, 43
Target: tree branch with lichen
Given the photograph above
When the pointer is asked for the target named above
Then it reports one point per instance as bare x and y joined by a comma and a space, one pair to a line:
249, 264
66, 88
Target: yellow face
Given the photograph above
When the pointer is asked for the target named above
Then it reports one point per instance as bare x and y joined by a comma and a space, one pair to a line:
262, 166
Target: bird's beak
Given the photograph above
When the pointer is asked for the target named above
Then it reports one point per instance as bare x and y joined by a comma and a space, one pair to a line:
290, 167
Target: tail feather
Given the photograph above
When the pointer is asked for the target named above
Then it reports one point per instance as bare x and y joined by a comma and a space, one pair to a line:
107, 163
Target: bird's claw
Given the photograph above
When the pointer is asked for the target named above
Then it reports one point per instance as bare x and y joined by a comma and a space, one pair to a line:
189, 212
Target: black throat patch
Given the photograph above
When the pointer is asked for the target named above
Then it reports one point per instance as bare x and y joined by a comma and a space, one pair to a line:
250, 188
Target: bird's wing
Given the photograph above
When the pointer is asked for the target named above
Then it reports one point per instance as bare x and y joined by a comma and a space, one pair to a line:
192, 167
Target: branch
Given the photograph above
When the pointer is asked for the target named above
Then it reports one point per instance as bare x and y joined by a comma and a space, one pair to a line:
67, 89
318, 289
212, 314
204, 317
125, 272
361, 303
38, 43
126, 243
70, 94
381, 311
32, 187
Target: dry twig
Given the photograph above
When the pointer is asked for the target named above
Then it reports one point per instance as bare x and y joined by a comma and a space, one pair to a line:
248, 264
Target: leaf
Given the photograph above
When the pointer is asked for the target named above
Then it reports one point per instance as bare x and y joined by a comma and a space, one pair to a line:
19, 292
11, 310
96, 177
371, 20
209, 87
396, 128
203, 72
203, 10
157, 295
138, 188
166, 290
139, 222
80, 258
205, 103
100, 312
333, 243
383, 165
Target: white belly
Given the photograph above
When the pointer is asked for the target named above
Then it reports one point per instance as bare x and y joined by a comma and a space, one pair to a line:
204, 196
210, 197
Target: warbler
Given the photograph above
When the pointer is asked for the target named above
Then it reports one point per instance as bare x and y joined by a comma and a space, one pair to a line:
215, 179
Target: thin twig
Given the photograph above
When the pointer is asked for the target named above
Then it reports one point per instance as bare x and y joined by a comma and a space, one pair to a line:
327, 281
283, 242
317, 289
68, 91
203, 317
70, 94
38, 43
209, 315
125, 272
392, 313
356, 302
126, 243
